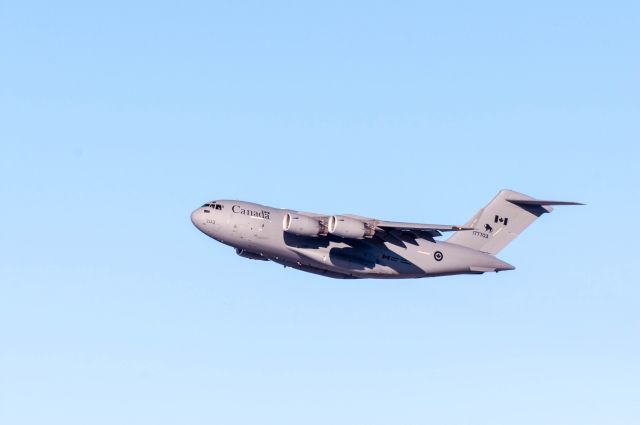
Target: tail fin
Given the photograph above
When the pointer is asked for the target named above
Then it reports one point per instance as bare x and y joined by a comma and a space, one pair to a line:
504, 218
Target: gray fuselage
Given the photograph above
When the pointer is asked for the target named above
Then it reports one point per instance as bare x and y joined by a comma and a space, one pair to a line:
256, 231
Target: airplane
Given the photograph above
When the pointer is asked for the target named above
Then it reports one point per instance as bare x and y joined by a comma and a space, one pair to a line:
349, 246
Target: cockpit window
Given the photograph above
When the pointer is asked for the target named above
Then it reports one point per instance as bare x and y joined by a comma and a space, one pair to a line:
213, 205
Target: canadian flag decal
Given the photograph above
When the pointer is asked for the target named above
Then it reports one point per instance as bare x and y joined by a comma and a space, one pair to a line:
502, 220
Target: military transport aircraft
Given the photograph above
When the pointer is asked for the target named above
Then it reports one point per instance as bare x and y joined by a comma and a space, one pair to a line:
348, 246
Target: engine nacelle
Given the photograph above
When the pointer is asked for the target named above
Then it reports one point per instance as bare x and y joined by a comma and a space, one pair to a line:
347, 227
250, 255
303, 225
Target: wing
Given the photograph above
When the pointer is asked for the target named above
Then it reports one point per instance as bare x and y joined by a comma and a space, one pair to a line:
398, 225
399, 233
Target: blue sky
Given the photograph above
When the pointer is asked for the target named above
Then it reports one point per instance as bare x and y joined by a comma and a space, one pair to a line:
118, 119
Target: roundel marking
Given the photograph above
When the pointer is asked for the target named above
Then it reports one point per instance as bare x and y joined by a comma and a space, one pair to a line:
438, 256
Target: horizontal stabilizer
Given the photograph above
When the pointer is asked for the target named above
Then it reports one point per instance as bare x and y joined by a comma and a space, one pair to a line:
539, 206
478, 269
541, 202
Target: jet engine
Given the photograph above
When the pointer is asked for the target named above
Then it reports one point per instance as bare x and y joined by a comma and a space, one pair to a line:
303, 225
347, 227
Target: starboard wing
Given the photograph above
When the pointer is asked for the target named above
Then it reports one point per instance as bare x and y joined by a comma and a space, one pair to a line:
398, 225
400, 233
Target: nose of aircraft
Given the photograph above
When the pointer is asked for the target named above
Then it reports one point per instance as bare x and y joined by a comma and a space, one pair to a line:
195, 217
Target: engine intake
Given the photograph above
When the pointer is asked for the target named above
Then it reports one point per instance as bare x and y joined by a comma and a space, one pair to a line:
347, 227
303, 225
